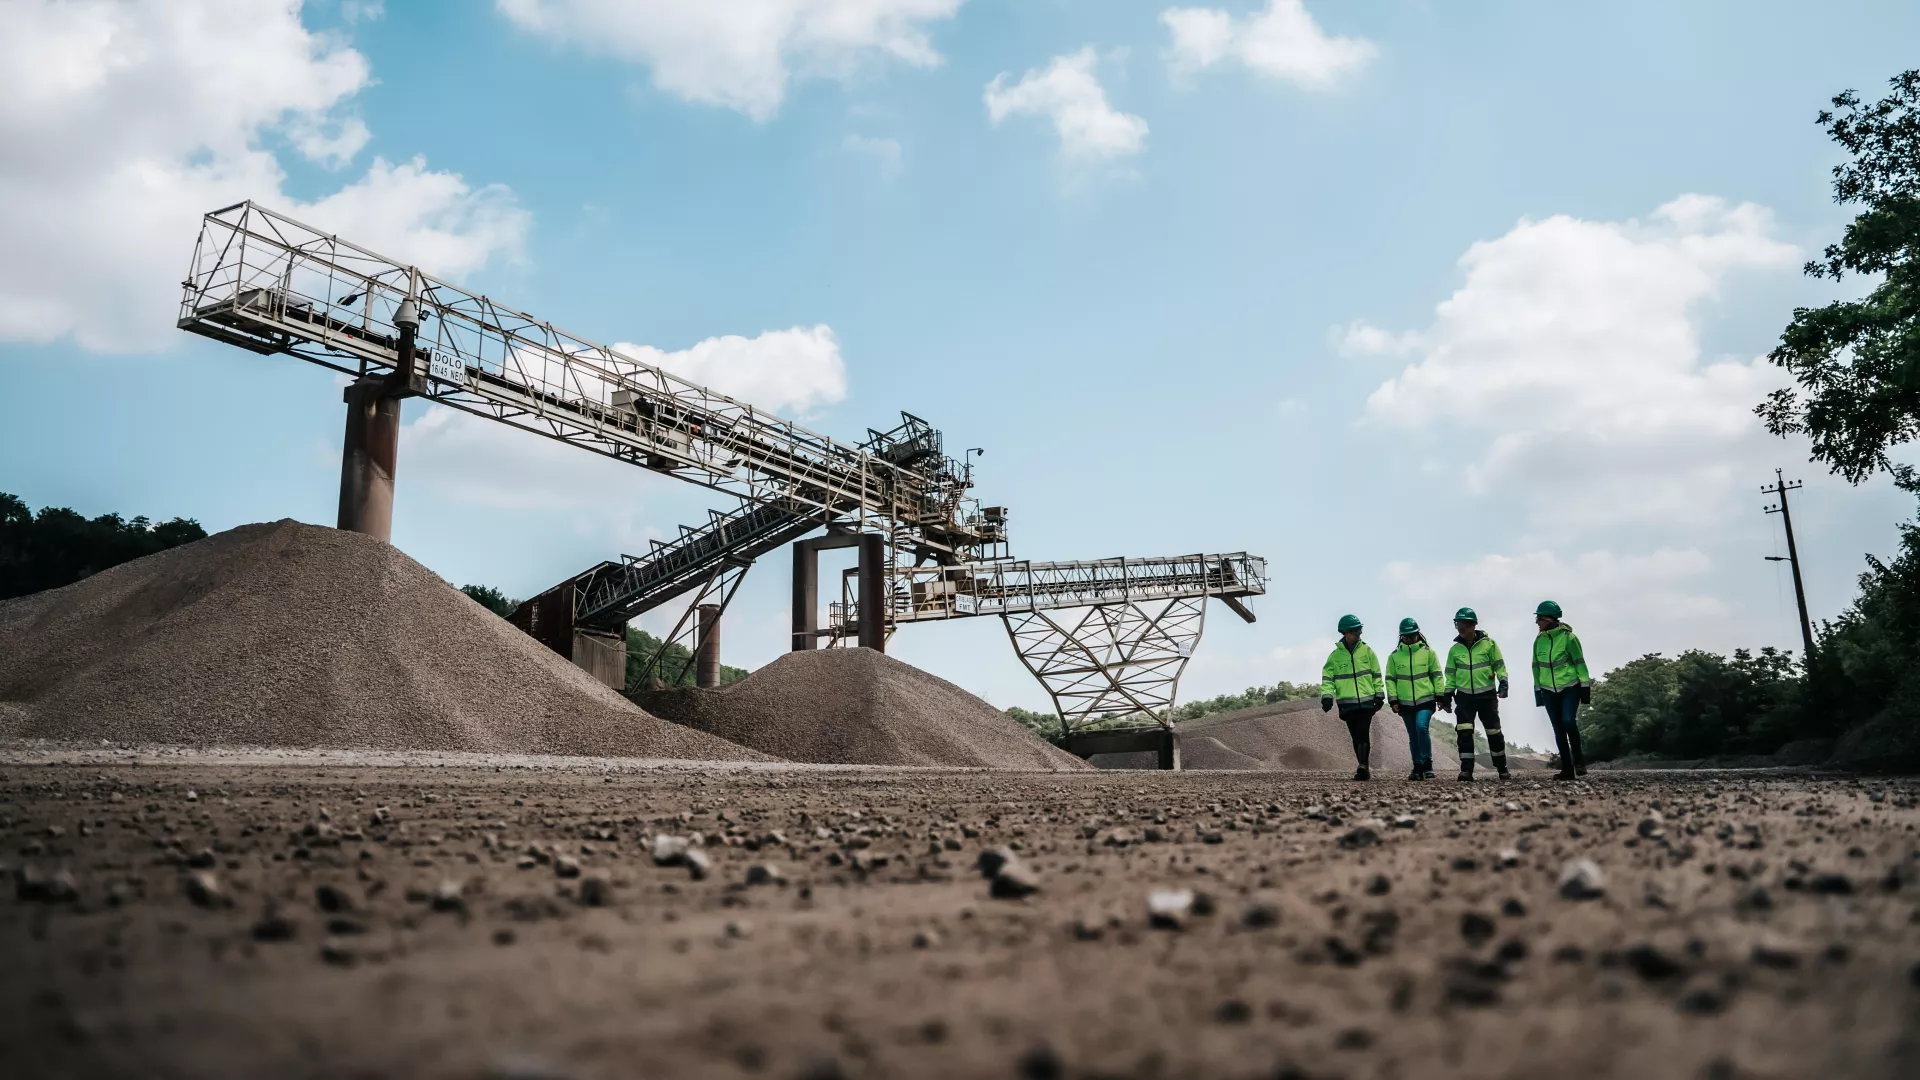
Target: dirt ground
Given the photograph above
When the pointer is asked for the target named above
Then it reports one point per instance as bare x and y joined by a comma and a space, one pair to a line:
465, 921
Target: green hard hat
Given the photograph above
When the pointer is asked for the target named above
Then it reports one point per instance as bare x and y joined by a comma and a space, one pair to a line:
1408, 626
1465, 614
1349, 622
1548, 608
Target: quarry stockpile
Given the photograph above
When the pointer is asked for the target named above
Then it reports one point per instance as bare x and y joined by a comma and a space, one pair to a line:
292, 635
1292, 736
859, 707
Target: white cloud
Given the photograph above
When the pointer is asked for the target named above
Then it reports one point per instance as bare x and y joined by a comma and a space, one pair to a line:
783, 371
123, 123
1567, 368
884, 151
1068, 93
742, 54
1282, 41
1361, 338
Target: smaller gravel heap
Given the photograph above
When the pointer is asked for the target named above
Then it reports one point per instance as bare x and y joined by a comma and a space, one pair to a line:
859, 707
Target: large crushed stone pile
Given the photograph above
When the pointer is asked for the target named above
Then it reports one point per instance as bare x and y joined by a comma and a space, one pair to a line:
859, 707
292, 635
1292, 736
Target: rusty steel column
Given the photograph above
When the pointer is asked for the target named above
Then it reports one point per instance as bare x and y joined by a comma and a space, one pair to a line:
873, 594
372, 445
806, 594
368, 458
706, 647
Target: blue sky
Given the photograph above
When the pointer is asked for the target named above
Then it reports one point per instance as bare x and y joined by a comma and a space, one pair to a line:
1430, 304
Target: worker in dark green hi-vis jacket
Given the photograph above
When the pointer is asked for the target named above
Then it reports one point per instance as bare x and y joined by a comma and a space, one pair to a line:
1476, 681
1561, 685
1351, 679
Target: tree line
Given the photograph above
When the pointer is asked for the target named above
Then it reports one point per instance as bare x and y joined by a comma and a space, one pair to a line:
55, 547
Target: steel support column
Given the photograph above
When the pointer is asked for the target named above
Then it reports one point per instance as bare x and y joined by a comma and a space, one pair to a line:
806, 595
368, 458
706, 648
872, 613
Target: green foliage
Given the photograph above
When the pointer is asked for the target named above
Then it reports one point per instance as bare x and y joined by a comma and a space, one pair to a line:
59, 547
1251, 697
1857, 362
1044, 724
491, 598
1864, 676
675, 667
1696, 705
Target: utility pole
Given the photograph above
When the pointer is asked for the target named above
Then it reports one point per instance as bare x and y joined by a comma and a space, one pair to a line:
1792, 557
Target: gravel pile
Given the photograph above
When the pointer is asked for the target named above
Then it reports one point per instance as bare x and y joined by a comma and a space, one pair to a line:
291, 635
859, 707
1292, 736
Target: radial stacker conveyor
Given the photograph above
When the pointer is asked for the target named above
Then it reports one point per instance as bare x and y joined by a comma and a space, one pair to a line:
927, 549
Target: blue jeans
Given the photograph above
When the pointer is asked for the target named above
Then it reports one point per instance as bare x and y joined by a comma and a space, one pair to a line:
1418, 740
1563, 712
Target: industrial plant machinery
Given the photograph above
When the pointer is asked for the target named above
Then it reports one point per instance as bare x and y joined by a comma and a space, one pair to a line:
927, 549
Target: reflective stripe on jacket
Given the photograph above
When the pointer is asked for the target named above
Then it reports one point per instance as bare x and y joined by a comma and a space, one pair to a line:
1475, 668
1413, 674
1558, 661
1350, 676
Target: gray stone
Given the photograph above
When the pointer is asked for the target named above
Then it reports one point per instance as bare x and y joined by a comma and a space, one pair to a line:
1582, 879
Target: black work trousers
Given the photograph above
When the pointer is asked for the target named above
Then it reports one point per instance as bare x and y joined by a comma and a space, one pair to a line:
1360, 730
1485, 708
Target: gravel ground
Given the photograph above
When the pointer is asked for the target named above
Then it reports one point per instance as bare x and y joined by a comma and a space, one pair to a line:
294, 635
304, 920
859, 707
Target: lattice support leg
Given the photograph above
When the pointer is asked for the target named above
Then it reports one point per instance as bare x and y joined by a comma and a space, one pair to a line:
1110, 660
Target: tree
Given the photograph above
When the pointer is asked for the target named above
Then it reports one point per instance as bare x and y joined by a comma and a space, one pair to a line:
1857, 362
491, 598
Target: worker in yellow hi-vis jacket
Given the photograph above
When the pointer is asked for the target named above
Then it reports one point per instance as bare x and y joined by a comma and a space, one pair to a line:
1414, 687
1561, 685
1476, 681
1351, 679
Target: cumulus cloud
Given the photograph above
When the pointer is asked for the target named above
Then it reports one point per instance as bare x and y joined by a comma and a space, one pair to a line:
1068, 93
741, 56
1571, 355
784, 371
1283, 42
123, 123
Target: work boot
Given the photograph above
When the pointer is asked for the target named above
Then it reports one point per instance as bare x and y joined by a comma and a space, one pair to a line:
1428, 773
1504, 774
1580, 770
1361, 773
1564, 774
1466, 774
1415, 774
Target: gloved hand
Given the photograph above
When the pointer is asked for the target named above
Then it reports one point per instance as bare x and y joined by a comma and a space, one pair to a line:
1503, 686
1326, 703
1379, 699
1586, 694
1446, 702
1539, 697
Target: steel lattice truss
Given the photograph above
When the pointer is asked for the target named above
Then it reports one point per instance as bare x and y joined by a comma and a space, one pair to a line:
1011, 586
718, 589
1122, 659
265, 282
1106, 637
